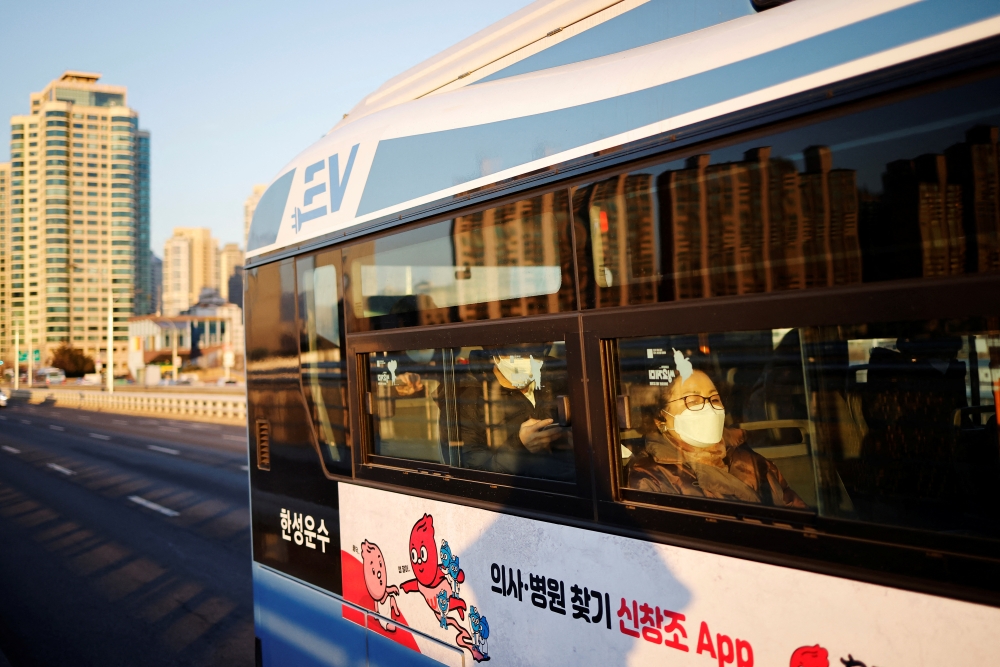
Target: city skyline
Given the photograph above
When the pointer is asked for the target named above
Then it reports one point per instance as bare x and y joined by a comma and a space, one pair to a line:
226, 114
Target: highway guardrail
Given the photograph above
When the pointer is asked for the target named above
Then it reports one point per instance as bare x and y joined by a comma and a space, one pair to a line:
215, 408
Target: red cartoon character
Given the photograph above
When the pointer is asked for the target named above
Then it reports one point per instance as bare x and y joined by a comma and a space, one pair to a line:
430, 582
373, 566
810, 656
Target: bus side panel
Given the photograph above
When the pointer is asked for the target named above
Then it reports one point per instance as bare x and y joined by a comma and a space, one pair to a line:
516, 591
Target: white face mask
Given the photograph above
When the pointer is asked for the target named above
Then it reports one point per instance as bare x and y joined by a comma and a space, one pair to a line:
700, 428
517, 370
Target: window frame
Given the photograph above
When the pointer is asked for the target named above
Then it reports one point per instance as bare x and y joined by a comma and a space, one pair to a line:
300, 324
891, 301
574, 498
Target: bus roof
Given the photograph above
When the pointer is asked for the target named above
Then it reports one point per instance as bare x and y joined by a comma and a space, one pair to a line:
561, 79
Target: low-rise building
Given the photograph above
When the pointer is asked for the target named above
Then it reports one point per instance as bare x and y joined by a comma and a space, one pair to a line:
199, 338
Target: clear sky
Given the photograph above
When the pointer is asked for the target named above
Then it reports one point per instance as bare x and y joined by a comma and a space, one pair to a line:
230, 91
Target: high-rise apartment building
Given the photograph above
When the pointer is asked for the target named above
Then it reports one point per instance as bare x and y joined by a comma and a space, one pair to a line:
190, 263
249, 206
70, 222
143, 278
230, 258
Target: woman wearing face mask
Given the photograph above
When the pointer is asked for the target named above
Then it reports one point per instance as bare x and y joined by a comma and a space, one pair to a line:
692, 453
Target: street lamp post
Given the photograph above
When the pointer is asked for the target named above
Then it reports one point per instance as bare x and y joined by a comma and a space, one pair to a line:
111, 338
17, 357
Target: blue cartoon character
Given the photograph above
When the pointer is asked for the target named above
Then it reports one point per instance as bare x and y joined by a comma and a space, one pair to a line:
442, 600
480, 631
434, 586
449, 563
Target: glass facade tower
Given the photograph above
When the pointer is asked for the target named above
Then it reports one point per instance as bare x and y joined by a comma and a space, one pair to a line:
143, 278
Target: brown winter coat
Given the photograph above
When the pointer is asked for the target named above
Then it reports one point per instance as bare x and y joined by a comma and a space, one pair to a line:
724, 471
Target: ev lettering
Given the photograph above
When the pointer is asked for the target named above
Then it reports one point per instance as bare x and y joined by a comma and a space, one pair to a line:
333, 184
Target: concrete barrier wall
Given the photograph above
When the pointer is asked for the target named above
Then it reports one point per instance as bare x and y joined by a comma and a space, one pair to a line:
224, 409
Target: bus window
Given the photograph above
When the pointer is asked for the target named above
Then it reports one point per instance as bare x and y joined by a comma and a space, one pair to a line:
324, 380
883, 423
500, 409
904, 190
508, 261
273, 391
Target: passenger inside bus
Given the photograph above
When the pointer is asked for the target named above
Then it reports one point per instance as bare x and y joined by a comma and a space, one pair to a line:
893, 423
508, 416
691, 452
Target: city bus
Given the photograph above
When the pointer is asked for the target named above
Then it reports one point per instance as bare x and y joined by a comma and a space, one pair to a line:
640, 332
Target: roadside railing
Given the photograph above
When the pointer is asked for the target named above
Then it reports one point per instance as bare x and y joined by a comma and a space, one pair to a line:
215, 408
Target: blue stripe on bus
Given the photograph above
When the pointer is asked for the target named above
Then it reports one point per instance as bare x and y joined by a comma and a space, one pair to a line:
406, 168
299, 625
651, 22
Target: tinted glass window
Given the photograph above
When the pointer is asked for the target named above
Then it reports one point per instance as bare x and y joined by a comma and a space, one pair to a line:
324, 379
884, 423
507, 261
273, 389
493, 409
904, 190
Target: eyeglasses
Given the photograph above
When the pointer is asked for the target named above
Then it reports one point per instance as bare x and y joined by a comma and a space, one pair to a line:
696, 402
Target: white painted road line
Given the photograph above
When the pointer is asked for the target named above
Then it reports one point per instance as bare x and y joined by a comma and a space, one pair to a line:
25, 421
119, 421
247, 468
2, 418
11, 450
235, 438
172, 430
82, 418
100, 436
165, 450
59, 468
56, 428
153, 506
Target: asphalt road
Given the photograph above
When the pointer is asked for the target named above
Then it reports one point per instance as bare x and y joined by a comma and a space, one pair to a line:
124, 540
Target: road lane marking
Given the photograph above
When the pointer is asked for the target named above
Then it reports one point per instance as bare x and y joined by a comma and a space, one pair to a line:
153, 506
11, 450
236, 438
86, 419
100, 436
119, 421
3, 418
172, 430
246, 468
56, 428
25, 421
165, 450
59, 468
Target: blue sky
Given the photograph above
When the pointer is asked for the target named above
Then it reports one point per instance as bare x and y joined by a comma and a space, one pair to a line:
230, 91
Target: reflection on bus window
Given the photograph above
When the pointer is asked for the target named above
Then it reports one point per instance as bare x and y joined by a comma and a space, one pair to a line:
324, 380
886, 423
906, 190
273, 391
507, 261
494, 409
